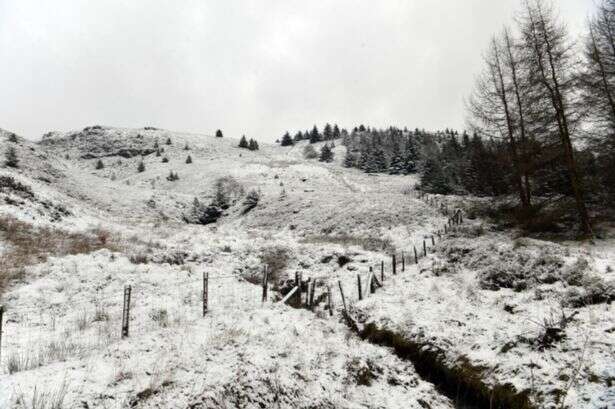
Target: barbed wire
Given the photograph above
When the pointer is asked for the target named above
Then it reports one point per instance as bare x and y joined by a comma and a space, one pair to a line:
43, 327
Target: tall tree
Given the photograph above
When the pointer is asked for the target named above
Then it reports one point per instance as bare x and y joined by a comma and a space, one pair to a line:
546, 46
490, 105
599, 75
287, 140
326, 154
315, 135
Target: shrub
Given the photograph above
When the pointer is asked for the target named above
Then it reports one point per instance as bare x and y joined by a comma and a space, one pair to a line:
13, 138
141, 167
100, 164
276, 259
165, 160
8, 184
160, 316
189, 159
309, 152
251, 200
201, 214
227, 191
10, 158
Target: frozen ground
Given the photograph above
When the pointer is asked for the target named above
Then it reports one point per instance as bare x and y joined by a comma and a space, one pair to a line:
62, 325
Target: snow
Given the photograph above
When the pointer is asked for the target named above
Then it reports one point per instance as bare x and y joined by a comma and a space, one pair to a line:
65, 313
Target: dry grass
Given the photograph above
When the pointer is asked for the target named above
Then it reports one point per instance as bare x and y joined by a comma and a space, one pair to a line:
52, 399
29, 245
367, 243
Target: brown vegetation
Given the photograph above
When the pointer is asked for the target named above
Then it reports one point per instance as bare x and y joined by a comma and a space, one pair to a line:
27, 245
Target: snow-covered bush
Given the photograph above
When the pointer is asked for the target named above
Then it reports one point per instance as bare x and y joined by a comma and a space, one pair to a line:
8, 184
309, 152
251, 200
202, 214
227, 191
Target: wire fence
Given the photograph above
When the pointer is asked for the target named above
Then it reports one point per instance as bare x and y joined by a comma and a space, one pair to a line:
34, 337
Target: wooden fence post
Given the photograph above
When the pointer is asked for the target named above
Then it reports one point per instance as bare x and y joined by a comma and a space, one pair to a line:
265, 282
126, 311
329, 300
403, 262
433, 240
394, 264
298, 285
312, 291
205, 291
371, 284
382, 270
339, 283
1, 321
416, 256
424, 248
359, 287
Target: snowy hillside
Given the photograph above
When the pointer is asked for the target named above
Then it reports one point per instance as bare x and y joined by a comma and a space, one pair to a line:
80, 222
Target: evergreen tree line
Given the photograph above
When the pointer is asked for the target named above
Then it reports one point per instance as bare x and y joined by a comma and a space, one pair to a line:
393, 151
329, 133
545, 112
250, 145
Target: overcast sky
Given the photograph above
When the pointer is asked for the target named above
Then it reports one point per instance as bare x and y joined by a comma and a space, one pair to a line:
257, 67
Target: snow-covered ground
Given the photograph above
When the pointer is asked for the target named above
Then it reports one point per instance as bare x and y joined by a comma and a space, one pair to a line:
63, 313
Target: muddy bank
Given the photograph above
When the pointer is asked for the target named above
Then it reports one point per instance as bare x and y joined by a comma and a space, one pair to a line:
460, 381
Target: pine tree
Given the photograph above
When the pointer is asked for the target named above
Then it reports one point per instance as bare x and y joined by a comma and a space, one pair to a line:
186, 148
315, 135
349, 160
10, 157
158, 153
397, 166
243, 142
409, 166
364, 159
433, 178
286, 140
99, 164
156, 144
168, 142
336, 132
219, 134
327, 132
298, 137
13, 138
189, 159
141, 167
253, 145
326, 154
165, 160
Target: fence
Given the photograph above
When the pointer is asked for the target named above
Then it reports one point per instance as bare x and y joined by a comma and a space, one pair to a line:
32, 337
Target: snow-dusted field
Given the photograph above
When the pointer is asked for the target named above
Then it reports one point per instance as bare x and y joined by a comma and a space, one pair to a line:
61, 335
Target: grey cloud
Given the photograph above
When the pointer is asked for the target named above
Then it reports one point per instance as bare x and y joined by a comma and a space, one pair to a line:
246, 66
